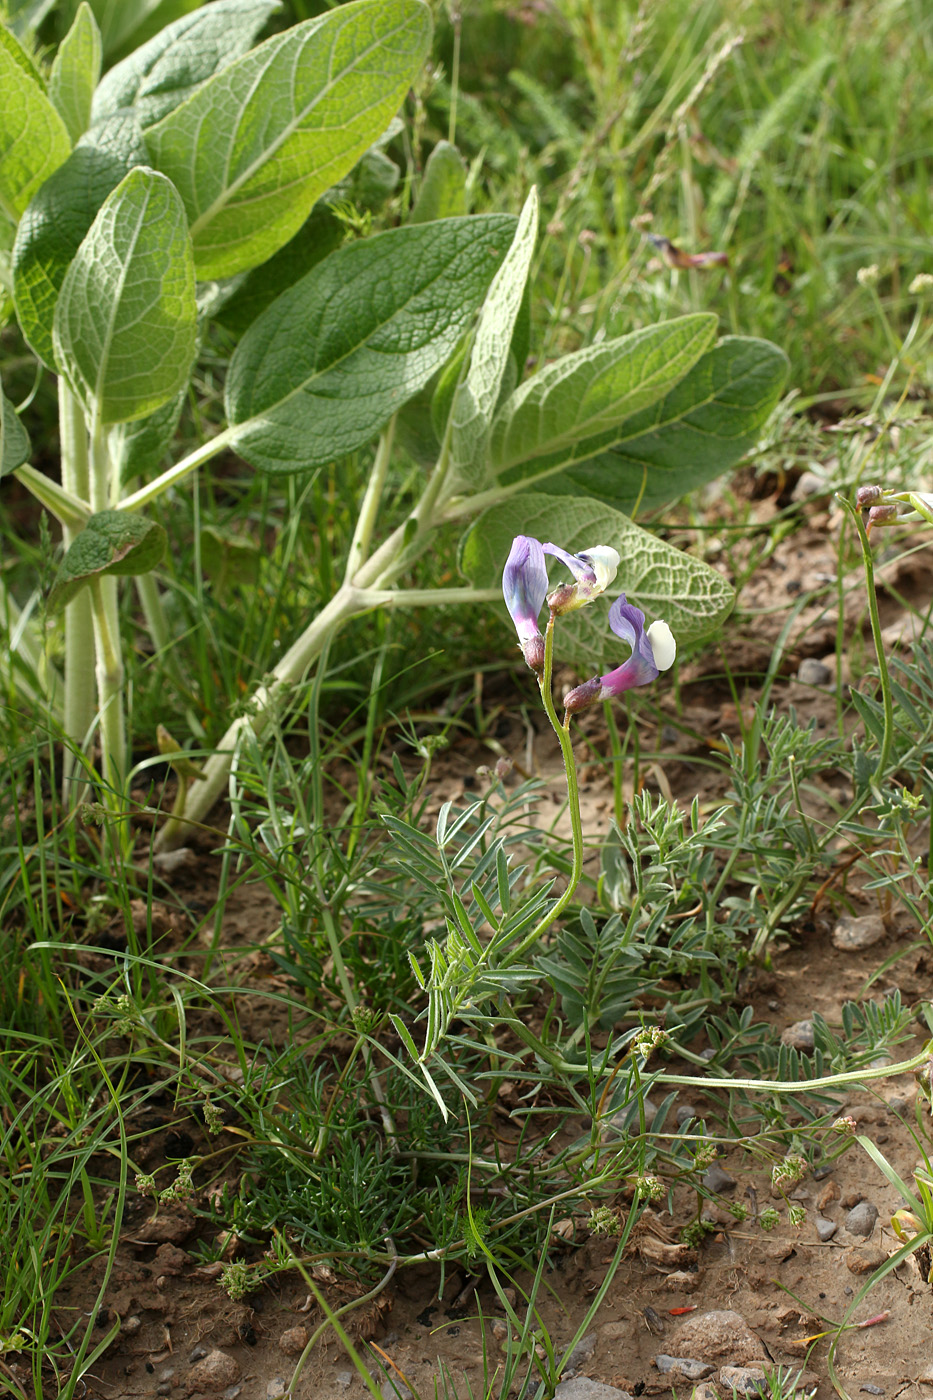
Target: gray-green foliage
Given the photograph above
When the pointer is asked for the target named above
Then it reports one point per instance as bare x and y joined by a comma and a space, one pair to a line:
112, 542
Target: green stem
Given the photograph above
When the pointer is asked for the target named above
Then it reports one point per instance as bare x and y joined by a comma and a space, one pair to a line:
802, 1086
372, 500
573, 803
103, 594
868, 562
79, 705
184, 468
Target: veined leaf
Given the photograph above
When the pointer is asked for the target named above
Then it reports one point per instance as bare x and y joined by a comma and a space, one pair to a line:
254, 148
664, 582
112, 542
75, 72
476, 397
161, 74
694, 434
120, 19
33, 137
575, 407
322, 370
14, 440
53, 227
125, 329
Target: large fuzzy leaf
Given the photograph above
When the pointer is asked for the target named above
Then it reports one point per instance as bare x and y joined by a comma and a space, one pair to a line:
694, 434
254, 148
112, 542
125, 327
321, 371
161, 74
33, 138
575, 406
53, 227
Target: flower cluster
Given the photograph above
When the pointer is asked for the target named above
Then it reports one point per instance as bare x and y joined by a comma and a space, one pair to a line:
525, 588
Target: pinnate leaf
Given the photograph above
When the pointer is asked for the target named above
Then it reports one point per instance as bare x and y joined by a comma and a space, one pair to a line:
574, 407
57, 220
112, 542
162, 73
322, 370
75, 72
33, 138
664, 582
696, 432
125, 329
253, 148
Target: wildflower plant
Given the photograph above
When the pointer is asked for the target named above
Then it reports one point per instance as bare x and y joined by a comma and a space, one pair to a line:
153, 208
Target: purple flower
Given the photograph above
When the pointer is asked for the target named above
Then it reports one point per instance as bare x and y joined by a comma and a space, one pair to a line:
524, 586
653, 651
593, 570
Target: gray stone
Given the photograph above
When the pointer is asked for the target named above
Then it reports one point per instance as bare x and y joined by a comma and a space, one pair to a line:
685, 1112
799, 1036
232, 1392
580, 1355
718, 1180
813, 672
685, 1366
582, 1388
809, 484
344, 1379
705, 1391
626, 1117
743, 1380
861, 1219
294, 1340
825, 1228
198, 1354
276, 1387
870, 1389
720, 1336
852, 935
215, 1372
682, 1281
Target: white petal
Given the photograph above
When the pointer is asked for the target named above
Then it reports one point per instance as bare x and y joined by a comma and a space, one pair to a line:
663, 645
605, 561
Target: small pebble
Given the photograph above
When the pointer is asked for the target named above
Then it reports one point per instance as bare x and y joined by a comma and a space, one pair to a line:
686, 1366
682, 1281
582, 1388
813, 672
275, 1387
718, 1180
580, 1355
897, 1104
799, 1036
232, 1392
865, 1261
685, 1113
829, 1193
743, 1380
131, 1324
851, 935
294, 1340
198, 1354
825, 1228
344, 1379
215, 1372
870, 1389
819, 1173
705, 1391
850, 1199
164, 1388
861, 1219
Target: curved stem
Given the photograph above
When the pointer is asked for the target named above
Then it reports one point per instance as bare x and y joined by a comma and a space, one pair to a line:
573, 802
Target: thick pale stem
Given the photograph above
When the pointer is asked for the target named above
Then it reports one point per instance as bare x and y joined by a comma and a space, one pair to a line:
79, 705
372, 500
103, 595
69, 510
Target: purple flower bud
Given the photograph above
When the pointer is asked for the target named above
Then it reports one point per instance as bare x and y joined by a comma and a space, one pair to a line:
867, 496
883, 514
524, 587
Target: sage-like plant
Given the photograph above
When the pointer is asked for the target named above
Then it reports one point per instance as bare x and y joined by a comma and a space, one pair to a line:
143, 205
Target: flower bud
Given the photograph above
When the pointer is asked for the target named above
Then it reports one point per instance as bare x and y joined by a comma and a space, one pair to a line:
883, 514
583, 696
867, 496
